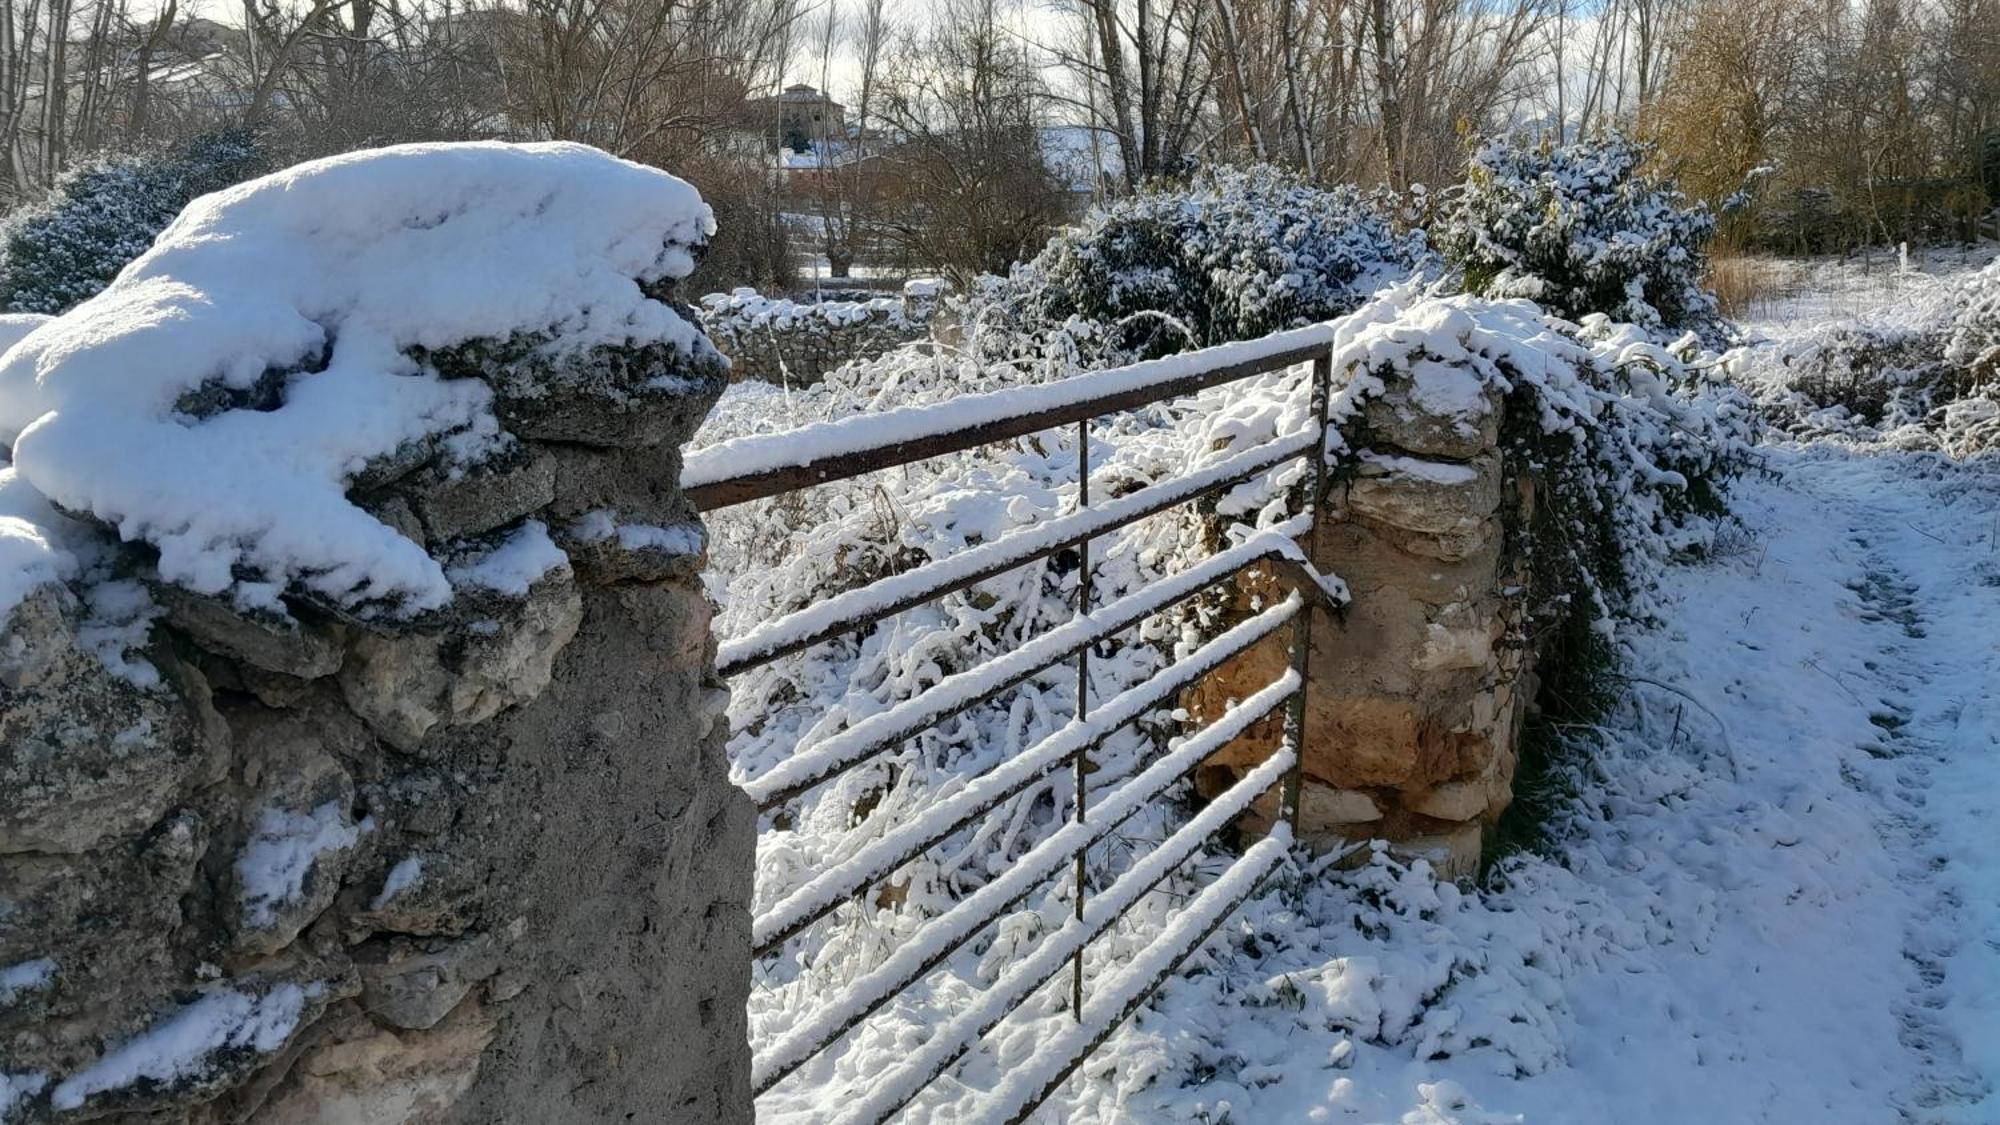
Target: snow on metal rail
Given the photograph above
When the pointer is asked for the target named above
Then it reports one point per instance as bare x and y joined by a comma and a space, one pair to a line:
762, 465
767, 465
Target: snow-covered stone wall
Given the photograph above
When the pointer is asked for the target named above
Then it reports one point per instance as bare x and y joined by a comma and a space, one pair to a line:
1417, 691
795, 343
360, 743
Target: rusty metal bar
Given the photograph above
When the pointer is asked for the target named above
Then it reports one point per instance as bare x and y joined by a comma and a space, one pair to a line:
1292, 794
1130, 509
1081, 766
1268, 859
906, 721
1026, 976
968, 918
821, 895
709, 496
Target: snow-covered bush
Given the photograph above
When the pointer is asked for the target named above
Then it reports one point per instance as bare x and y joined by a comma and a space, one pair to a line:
1922, 374
67, 248
1579, 229
1233, 254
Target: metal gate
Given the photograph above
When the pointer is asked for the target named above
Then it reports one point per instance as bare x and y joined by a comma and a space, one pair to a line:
867, 443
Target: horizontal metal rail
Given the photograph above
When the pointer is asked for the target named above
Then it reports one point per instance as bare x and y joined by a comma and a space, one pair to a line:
962, 690
865, 605
943, 935
882, 856
1029, 1084
869, 442
893, 1090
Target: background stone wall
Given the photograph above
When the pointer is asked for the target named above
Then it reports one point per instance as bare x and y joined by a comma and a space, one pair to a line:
797, 342
1416, 692
480, 866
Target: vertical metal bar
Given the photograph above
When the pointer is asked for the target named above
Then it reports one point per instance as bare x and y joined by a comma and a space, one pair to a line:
1080, 765
1289, 796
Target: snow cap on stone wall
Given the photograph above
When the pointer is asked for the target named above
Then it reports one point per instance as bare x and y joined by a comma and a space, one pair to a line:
295, 339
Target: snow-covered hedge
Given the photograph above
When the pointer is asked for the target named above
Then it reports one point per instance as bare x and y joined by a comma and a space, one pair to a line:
1579, 229
1233, 254
67, 248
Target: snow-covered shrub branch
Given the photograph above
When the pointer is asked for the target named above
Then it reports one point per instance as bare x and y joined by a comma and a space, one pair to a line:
1580, 229
1232, 254
99, 217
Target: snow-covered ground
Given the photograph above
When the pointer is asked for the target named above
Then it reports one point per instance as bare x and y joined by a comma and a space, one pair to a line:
1778, 896
1771, 895
1802, 292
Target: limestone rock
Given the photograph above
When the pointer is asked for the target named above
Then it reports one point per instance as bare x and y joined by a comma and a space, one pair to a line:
107, 920
85, 753
359, 1072
413, 983
1324, 807
1448, 505
298, 837
450, 502
1453, 854
1416, 417
623, 396
605, 547
1453, 800
495, 653
439, 898
283, 645
196, 1046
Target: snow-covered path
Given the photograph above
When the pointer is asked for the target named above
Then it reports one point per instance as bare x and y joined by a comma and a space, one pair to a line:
1779, 899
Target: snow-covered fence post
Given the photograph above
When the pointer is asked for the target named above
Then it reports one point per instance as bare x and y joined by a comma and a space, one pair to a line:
1415, 695
377, 774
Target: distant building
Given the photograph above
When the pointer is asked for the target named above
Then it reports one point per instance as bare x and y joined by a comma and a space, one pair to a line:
800, 118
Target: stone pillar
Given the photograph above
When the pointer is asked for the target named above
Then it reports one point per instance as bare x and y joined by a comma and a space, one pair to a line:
483, 865
1417, 691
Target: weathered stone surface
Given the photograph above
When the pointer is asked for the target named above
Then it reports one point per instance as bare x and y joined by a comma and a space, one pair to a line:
1412, 417
1447, 507
414, 983
639, 945
286, 646
85, 753
109, 921
1324, 805
606, 547
1452, 800
403, 685
242, 1024
1453, 853
450, 502
297, 837
359, 1072
625, 397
